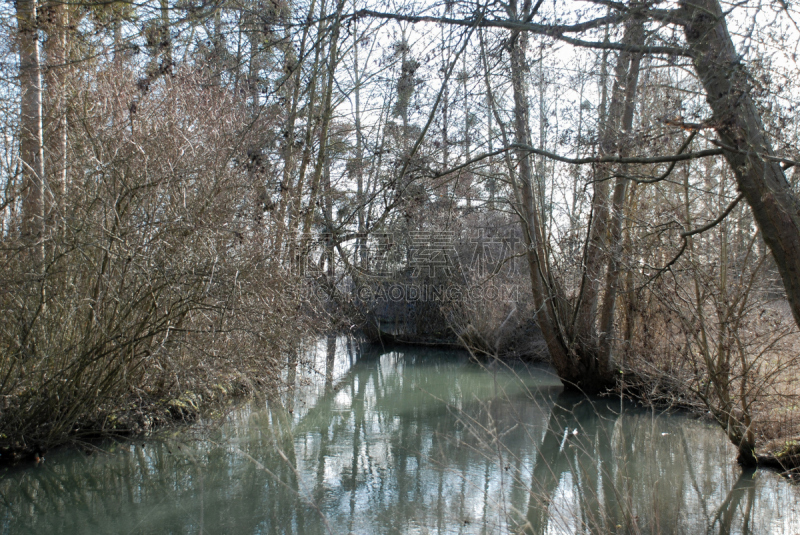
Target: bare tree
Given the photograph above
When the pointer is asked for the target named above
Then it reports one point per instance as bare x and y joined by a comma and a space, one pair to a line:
31, 137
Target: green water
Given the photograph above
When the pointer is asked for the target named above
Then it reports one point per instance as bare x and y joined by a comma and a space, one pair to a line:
409, 441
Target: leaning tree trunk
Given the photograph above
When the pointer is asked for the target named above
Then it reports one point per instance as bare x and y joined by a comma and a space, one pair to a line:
741, 133
576, 352
546, 315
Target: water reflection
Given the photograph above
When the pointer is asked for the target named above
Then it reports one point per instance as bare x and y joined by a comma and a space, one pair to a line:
409, 441
603, 468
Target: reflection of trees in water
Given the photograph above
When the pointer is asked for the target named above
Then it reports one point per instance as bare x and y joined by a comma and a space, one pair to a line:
162, 488
411, 458
576, 444
603, 469
400, 443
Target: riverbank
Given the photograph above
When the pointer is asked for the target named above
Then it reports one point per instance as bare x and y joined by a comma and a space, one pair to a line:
173, 366
138, 413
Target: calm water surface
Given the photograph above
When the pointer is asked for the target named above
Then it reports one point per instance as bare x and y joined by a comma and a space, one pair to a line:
392, 440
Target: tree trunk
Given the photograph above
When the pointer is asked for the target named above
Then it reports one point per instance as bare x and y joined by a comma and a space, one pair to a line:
619, 195
326, 117
296, 253
31, 138
293, 69
361, 244
615, 125
741, 131
532, 231
575, 349
55, 125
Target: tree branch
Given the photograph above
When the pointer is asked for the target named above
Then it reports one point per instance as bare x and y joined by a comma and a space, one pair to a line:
680, 157
556, 31
716, 222
687, 233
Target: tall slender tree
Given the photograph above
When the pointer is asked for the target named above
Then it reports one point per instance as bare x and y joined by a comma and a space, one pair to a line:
31, 135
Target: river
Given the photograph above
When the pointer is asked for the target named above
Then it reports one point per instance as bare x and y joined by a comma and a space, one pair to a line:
374, 440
